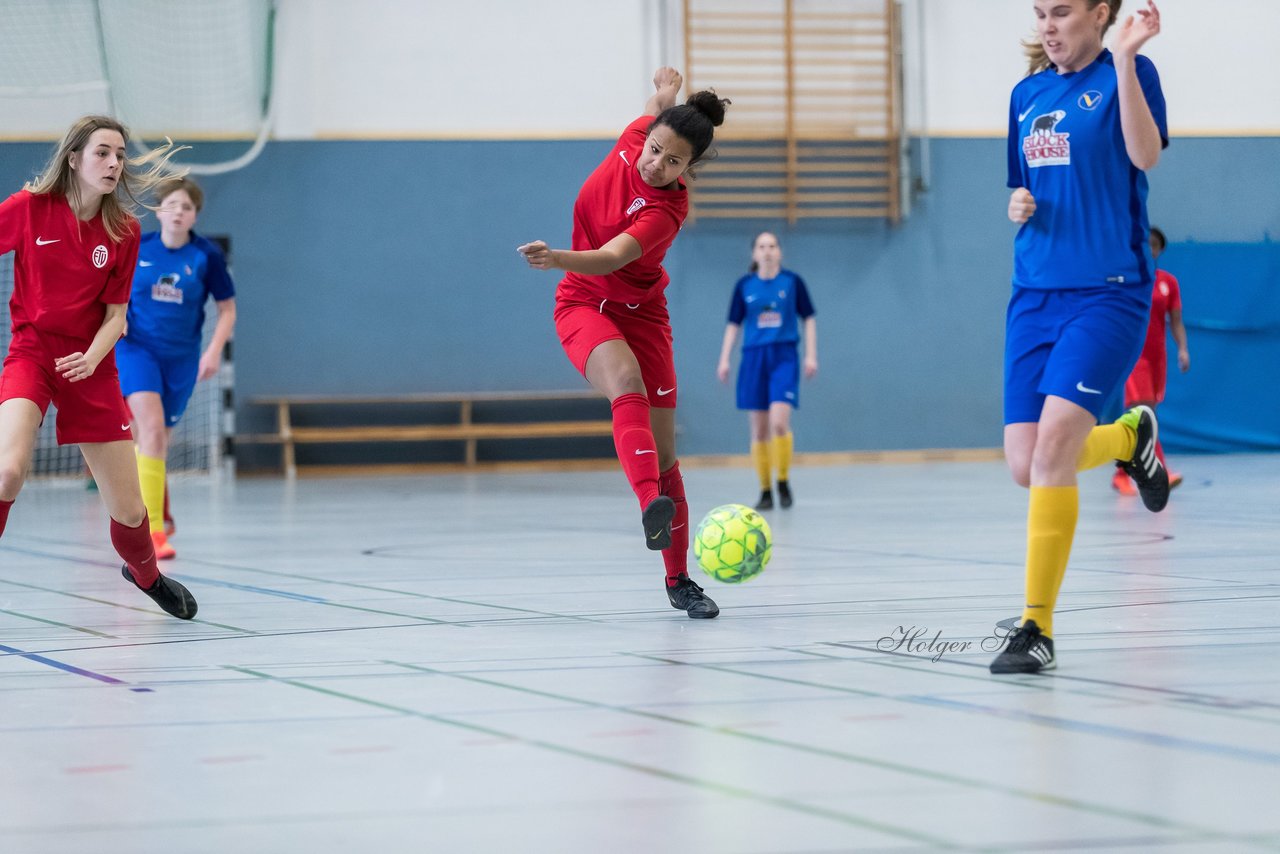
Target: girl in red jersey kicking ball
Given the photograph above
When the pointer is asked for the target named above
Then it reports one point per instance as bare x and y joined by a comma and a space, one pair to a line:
75, 243
611, 314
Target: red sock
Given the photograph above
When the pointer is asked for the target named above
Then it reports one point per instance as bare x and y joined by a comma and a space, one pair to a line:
134, 545
676, 556
633, 440
4, 514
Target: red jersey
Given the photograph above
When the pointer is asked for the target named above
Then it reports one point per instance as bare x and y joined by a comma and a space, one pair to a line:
1164, 299
614, 200
65, 271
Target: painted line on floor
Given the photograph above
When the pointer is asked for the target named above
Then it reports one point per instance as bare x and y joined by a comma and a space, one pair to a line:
711, 786
914, 771
69, 668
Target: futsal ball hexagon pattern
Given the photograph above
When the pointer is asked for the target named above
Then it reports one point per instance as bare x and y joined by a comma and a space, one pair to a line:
733, 543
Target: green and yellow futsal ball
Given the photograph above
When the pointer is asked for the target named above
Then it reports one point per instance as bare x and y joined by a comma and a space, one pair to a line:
733, 544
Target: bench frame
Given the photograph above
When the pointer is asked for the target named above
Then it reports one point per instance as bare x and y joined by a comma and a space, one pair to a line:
465, 430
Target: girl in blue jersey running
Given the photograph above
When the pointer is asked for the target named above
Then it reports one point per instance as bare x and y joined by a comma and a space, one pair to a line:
769, 305
1084, 126
159, 356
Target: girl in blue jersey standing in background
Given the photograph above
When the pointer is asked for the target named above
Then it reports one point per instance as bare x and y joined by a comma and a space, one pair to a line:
768, 305
1084, 126
159, 357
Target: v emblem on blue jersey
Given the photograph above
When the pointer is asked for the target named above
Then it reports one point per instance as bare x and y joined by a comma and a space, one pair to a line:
1090, 100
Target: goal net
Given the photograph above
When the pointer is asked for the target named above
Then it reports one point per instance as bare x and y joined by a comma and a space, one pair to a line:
191, 70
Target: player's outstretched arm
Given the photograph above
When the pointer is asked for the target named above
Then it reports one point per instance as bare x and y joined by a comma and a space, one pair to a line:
666, 82
614, 255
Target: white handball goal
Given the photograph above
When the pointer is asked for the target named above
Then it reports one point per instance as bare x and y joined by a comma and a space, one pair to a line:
190, 70
201, 440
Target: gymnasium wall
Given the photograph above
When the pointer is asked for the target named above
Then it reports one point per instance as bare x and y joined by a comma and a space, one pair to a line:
374, 241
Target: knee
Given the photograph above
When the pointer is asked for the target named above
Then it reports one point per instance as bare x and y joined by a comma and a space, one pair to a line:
153, 440
1019, 467
11, 479
779, 428
1021, 474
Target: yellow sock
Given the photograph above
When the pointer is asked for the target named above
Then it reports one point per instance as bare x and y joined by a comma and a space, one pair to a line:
1051, 526
760, 456
782, 454
151, 478
1106, 444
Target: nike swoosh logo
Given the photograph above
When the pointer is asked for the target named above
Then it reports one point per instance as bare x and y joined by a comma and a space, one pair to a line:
124, 426
144, 264
1022, 118
40, 241
1080, 386
638, 453
623, 155
663, 392
676, 527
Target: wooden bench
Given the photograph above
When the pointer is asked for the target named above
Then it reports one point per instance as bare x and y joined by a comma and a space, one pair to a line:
465, 429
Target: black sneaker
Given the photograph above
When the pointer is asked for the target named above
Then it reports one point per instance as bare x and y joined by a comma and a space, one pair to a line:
784, 493
1145, 467
766, 500
689, 597
171, 596
657, 523
1027, 651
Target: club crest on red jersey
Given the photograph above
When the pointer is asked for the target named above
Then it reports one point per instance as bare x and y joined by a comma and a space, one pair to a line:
636, 205
1045, 146
100, 256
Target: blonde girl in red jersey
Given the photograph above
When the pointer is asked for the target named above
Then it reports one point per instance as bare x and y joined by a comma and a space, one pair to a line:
76, 242
611, 314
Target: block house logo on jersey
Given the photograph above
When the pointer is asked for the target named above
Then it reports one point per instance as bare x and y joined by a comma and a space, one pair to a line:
1044, 146
166, 289
636, 205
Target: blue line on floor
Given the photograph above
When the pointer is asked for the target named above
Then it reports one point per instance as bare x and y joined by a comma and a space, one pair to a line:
69, 668
214, 582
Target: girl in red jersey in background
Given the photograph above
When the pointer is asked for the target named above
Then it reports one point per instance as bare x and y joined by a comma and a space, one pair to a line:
611, 314
1145, 385
75, 244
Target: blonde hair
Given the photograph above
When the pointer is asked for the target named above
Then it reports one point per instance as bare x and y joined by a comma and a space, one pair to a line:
138, 175
168, 186
1038, 60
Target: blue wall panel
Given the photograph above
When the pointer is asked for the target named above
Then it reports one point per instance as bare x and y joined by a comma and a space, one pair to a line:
378, 267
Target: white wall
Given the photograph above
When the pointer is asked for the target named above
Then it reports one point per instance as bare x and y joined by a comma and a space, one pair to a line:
1216, 60
573, 68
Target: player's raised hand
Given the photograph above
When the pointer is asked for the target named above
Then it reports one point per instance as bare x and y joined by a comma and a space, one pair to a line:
1138, 29
538, 254
665, 77
1022, 205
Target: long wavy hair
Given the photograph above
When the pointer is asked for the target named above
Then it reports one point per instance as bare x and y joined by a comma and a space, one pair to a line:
138, 175
1038, 60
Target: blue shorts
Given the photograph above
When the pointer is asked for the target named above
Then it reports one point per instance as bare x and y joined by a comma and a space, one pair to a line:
1075, 344
769, 374
173, 378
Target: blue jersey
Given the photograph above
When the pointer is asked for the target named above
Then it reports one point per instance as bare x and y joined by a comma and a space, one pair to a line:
170, 288
767, 309
1066, 146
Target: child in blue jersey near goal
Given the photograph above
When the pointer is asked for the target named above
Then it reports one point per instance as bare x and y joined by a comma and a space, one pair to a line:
159, 357
1084, 126
769, 305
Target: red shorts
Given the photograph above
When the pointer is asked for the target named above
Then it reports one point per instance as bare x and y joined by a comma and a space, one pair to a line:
646, 328
1145, 384
91, 410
